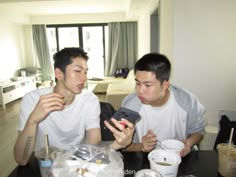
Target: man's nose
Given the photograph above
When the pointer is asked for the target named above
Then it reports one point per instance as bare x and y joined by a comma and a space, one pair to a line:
140, 88
84, 76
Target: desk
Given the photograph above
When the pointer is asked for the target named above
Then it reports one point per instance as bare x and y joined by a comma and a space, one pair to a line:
198, 163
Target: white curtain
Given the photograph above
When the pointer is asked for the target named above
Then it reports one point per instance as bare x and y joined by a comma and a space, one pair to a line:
42, 51
122, 50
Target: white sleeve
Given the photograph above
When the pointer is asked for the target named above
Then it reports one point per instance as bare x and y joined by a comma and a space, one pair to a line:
93, 113
28, 103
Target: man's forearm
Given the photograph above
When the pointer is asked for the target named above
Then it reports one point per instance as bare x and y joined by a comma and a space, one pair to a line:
134, 147
25, 143
194, 139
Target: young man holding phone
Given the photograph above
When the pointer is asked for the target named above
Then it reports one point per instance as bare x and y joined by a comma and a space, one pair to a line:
167, 111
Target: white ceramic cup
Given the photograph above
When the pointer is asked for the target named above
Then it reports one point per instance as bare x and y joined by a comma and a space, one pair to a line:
165, 162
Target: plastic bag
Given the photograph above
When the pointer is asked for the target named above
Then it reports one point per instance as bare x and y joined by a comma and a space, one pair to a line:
92, 153
87, 161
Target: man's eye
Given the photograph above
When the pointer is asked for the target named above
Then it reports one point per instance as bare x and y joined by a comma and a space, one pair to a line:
137, 83
78, 71
148, 85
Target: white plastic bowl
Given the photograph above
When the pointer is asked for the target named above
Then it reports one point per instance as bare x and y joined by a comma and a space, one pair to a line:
165, 162
148, 172
173, 145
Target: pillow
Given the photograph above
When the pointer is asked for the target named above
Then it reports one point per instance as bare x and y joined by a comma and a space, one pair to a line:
225, 129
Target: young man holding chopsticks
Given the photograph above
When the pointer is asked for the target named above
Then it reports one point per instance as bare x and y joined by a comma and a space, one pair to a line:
66, 112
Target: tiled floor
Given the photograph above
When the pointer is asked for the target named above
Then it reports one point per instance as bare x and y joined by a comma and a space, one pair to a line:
8, 134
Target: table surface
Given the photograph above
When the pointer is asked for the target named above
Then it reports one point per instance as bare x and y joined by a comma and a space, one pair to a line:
198, 163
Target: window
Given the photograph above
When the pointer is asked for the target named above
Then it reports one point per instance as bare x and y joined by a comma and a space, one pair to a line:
92, 38
68, 37
52, 41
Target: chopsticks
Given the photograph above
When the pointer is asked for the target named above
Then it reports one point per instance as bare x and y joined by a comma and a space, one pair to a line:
46, 146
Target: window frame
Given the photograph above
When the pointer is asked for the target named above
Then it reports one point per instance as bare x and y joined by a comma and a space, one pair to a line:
80, 34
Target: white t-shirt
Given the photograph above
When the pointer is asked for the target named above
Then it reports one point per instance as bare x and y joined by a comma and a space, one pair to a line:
167, 121
65, 128
181, 116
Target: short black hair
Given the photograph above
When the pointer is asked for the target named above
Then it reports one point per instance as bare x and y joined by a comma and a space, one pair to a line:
156, 63
65, 56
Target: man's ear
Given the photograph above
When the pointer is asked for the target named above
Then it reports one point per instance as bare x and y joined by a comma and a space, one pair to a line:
165, 84
58, 74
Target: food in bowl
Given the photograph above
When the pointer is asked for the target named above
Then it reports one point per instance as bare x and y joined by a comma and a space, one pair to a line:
163, 163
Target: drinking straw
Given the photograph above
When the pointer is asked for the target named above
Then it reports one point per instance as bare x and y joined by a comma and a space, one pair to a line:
230, 139
46, 146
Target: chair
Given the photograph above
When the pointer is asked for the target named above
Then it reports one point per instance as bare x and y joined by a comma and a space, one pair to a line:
107, 111
224, 133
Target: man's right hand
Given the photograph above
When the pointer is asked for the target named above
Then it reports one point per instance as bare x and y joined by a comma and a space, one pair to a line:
26, 140
149, 141
46, 104
123, 136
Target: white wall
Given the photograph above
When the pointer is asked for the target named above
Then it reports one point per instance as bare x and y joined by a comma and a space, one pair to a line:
166, 28
79, 18
12, 53
204, 57
144, 28
143, 35
30, 59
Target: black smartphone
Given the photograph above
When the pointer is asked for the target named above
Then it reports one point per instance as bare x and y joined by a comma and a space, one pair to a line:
130, 115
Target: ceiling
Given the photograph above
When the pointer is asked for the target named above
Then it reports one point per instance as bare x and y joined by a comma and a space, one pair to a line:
57, 7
